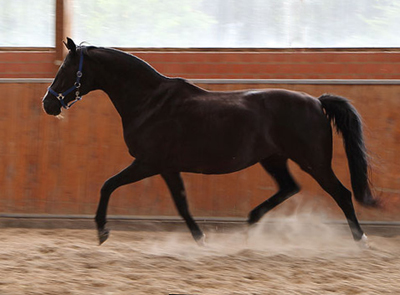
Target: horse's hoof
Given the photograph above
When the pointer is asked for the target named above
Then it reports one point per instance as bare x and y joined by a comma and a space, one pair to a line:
363, 243
201, 241
252, 218
103, 235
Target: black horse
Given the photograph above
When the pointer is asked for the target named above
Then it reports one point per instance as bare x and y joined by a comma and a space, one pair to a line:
172, 126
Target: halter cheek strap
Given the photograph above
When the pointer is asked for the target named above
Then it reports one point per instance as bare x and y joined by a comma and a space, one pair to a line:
61, 95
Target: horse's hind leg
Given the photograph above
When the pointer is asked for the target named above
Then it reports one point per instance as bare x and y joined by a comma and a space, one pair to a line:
329, 182
277, 167
177, 189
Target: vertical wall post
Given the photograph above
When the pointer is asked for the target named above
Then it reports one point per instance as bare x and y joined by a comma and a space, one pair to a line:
63, 29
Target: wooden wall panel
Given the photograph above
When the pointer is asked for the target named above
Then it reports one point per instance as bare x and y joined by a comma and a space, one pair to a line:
31, 64
53, 166
276, 63
225, 63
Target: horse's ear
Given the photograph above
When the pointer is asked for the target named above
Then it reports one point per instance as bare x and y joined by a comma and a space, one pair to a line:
70, 45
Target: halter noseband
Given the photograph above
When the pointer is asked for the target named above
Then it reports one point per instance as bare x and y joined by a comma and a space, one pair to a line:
61, 95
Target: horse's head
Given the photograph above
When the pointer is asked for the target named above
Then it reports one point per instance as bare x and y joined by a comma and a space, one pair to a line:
66, 87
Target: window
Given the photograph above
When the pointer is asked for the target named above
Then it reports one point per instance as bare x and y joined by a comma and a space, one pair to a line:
207, 23
27, 23
237, 23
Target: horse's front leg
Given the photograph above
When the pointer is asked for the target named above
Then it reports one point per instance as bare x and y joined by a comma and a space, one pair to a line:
177, 189
135, 172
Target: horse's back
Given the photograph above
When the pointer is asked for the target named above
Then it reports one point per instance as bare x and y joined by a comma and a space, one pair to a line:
255, 124
195, 130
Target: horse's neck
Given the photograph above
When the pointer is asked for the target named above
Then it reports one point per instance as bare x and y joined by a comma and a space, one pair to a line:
128, 83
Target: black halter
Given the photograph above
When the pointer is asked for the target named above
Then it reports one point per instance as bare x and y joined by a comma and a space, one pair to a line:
61, 95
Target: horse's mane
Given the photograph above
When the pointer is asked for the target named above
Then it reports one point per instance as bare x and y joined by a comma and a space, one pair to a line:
125, 57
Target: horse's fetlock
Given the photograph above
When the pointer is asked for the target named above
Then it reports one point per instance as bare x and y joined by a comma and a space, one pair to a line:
100, 222
293, 189
254, 216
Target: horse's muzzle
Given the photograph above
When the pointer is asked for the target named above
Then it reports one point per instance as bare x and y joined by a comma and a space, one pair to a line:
51, 106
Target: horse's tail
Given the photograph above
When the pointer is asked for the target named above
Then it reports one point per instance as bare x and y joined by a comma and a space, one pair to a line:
345, 117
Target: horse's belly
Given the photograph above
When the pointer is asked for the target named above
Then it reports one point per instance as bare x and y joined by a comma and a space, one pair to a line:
218, 168
222, 159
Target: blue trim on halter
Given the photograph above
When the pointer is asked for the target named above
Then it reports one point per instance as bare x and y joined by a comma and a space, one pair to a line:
61, 95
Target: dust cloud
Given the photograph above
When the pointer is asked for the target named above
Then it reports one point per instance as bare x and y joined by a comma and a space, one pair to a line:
303, 234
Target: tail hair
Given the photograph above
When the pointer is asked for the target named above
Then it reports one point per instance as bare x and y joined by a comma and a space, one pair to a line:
347, 121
